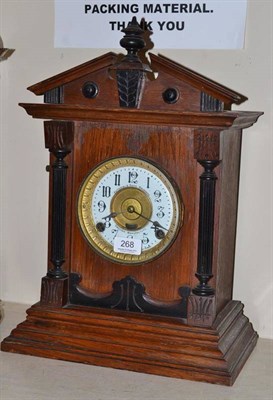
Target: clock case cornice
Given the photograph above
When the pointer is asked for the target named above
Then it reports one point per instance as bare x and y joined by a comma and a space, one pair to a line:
223, 120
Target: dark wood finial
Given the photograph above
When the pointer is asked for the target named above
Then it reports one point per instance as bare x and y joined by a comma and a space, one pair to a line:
130, 71
132, 40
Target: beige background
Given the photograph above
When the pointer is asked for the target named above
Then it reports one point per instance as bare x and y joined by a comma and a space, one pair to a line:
28, 27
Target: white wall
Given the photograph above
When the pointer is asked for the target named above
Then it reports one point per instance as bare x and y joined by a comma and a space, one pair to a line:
28, 26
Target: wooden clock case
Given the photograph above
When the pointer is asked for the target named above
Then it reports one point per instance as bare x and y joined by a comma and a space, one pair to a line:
175, 315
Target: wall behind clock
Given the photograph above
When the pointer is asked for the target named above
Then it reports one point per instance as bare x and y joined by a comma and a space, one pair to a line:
28, 27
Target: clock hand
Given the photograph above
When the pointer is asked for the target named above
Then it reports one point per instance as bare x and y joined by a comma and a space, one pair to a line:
132, 210
102, 225
112, 215
158, 232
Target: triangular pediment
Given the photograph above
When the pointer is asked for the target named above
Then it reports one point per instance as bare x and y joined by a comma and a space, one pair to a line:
170, 87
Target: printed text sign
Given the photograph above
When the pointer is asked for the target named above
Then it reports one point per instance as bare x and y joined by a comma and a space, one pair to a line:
183, 25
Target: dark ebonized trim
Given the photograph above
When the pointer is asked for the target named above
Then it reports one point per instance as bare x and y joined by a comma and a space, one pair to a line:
206, 228
128, 295
54, 96
210, 103
130, 71
129, 87
59, 170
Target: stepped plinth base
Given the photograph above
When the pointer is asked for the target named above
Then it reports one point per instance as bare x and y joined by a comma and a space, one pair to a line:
136, 342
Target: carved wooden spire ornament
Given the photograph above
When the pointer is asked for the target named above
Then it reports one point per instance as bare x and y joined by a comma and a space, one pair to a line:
130, 72
143, 179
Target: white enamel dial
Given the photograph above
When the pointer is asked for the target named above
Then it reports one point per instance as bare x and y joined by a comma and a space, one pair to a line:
128, 210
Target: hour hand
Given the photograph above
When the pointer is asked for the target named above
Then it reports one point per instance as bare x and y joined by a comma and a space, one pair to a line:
112, 215
102, 225
106, 224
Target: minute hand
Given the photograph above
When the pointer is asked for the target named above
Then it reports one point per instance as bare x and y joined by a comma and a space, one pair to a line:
155, 223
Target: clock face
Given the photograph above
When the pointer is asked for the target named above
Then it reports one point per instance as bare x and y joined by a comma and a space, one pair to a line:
129, 210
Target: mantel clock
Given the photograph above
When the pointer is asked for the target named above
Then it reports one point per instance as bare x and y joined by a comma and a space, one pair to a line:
143, 175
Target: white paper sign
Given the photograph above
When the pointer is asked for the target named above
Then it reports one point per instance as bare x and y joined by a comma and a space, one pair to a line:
127, 246
179, 25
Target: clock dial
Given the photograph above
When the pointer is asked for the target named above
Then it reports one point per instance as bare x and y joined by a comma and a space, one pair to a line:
129, 210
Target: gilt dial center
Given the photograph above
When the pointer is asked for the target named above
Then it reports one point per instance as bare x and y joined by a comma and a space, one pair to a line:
132, 206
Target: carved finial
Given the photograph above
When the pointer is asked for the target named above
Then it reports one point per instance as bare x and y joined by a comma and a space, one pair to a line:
130, 71
133, 40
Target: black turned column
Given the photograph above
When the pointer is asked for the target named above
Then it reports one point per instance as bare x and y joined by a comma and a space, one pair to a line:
206, 228
57, 255
58, 139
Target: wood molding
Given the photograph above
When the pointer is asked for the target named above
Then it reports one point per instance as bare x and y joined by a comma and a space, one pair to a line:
141, 343
71, 112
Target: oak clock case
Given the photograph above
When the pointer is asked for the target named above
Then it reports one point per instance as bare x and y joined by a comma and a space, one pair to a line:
131, 203
144, 176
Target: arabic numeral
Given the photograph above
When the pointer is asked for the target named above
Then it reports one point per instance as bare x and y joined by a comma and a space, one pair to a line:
157, 195
101, 206
107, 222
160, 213
133, 175
117, 180
145, 239
114, 232
106, 191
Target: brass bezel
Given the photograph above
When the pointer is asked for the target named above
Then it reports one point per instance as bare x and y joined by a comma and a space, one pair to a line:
87, 223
